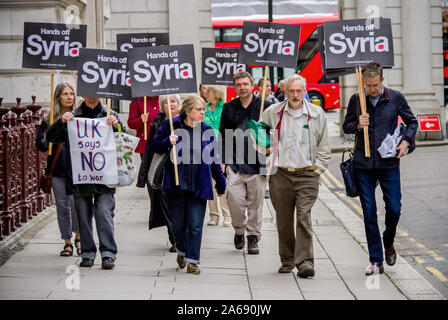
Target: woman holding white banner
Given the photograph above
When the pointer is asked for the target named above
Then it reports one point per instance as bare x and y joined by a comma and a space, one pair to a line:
64, 100
91, 200
198, 164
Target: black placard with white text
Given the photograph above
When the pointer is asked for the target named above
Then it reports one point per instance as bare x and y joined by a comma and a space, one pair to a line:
127, 41
270, 44
352, 43
103, 74
52, 45
162, 70
219, 65
332, 73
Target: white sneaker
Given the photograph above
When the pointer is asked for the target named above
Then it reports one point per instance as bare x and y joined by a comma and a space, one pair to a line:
374, 268
227, 222
214, 221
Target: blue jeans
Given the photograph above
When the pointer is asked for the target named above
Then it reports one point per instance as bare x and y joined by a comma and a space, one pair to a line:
100, 206
188, 214
389, 180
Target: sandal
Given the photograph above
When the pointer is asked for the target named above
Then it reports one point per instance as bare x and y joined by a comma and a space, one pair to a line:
66, 252
78, 250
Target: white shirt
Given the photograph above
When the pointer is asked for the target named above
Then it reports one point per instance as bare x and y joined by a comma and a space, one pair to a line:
294, 144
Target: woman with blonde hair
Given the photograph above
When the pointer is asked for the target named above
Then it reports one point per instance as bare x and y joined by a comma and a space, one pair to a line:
159, 214
188, 201
64, 101
215, 104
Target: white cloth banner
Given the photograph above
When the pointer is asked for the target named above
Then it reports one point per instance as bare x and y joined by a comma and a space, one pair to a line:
93, 151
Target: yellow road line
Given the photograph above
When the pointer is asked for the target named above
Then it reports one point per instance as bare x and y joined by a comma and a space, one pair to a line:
326, 181
419, 260
334, 179
436, 273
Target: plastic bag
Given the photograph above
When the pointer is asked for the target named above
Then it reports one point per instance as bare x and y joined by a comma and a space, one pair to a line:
127, 169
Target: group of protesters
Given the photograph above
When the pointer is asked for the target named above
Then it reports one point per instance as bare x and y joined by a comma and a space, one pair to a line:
291, 167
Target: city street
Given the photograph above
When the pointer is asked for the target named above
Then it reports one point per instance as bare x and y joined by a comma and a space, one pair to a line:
422, 238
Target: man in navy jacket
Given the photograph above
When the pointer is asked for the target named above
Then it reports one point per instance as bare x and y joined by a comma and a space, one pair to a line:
384, 105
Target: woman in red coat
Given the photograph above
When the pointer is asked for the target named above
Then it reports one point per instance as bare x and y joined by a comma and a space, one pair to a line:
137, 117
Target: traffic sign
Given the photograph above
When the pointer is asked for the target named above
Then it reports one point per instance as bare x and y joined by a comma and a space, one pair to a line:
429, 122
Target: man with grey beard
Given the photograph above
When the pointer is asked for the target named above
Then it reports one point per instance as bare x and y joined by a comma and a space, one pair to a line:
301, 154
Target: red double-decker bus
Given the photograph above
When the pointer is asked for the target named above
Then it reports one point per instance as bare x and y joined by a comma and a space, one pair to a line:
323, 91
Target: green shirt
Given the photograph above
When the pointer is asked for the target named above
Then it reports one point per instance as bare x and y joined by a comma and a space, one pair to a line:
213, 119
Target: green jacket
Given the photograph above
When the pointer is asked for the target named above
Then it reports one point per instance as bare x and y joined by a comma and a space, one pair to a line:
213, 119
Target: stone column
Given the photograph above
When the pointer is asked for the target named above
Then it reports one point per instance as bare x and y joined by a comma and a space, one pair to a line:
417, 62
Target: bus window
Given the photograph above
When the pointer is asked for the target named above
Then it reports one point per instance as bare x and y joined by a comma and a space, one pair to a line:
217, 33
232, 34
308, 50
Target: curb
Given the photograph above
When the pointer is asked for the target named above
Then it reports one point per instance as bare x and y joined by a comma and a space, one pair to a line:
413, 285
16, 241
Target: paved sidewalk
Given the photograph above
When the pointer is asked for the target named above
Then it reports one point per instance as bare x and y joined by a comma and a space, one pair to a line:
146, 270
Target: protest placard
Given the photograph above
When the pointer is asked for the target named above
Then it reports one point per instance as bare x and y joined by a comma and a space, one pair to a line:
52, 45
127, 41
103, 73
270, 44
352, 43
93, 151
219, 65
162, 70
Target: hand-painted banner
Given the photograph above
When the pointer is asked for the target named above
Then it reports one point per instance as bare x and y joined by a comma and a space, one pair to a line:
93, 151
162, 70
127, 41
270, 44
52, 45
219, 65
103, 73
352, 43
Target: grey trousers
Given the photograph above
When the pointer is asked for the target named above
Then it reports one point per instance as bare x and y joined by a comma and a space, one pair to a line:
100, 206
246, 191
65, 207
294, 192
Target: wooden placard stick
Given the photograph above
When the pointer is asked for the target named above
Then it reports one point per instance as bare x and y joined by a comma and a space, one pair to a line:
108, 102
145, 124
50, 146
176, 174
362, 99
266, 70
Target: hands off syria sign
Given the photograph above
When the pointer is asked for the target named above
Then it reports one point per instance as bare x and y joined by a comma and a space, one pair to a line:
93, 151
270, 44
103, 73
162, 70
127, 41
219, 65
52, 45
352, 43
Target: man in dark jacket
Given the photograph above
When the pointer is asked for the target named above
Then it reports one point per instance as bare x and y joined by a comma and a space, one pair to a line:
384, 105
91, 200
246, 186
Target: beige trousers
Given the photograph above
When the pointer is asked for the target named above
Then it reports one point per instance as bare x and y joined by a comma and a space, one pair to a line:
294, 192
213, 205
246, 191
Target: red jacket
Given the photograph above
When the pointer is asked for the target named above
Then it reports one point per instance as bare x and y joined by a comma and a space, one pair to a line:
135, 121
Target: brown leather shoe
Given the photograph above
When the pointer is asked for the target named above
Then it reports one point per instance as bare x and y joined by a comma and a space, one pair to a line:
306, 269
391, 256
181, 261
286, 268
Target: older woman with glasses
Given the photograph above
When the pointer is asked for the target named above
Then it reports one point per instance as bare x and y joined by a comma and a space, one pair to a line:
188, 201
